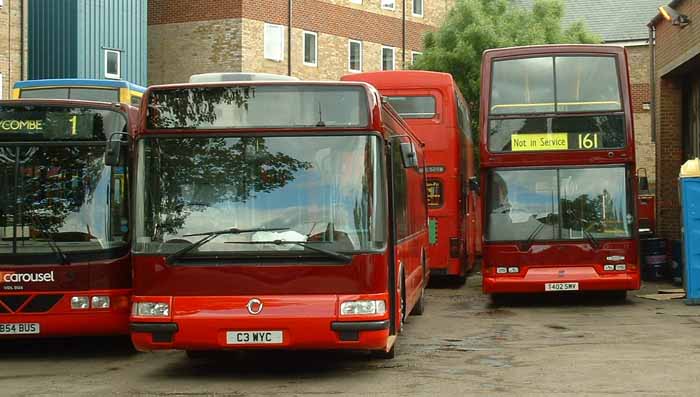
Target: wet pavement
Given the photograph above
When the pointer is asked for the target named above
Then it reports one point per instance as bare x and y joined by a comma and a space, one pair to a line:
462, 345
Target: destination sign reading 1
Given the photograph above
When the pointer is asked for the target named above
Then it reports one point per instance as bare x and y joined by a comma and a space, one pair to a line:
48, 125
554, 141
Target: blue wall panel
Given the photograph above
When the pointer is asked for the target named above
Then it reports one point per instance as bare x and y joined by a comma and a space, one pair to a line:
67, 38
113, 24
53, 48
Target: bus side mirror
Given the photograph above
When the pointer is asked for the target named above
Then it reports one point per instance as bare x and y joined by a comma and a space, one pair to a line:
474, 184
409, 155
113, 149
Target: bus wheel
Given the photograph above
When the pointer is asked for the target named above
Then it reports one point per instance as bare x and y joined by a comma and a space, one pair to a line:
385, 355
420, 305
618, 296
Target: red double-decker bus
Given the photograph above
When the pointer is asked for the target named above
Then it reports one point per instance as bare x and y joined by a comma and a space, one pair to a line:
434, 108
558, 170
282, 215
64, 218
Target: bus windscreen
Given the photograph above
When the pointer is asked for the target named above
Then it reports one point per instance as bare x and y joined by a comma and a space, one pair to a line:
258, 106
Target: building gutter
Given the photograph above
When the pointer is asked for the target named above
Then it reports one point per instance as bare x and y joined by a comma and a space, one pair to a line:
289, 37
652, 78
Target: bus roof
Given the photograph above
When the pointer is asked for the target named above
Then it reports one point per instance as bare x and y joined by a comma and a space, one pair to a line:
403, 79
239, 76
553, 49
78, 82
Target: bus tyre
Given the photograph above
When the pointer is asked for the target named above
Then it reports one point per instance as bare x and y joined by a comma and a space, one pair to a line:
420, 305
385, 355
499, 299
460, 280
618, 296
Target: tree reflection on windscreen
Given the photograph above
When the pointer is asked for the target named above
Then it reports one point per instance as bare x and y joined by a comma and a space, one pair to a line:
323, 188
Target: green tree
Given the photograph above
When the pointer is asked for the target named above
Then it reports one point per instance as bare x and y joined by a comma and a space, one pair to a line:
477, 25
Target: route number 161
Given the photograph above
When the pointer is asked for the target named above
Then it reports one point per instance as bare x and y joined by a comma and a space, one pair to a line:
588, 141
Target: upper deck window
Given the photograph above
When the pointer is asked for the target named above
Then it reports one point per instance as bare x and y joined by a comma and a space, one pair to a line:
258, 106
414, 107
555, 85
84, 94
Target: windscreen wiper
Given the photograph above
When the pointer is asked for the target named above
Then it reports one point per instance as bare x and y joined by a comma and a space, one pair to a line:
533, 235
62, 257
332, 254
589, 236
208, 236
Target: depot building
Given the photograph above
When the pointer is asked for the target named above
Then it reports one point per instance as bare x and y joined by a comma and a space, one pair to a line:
675, 82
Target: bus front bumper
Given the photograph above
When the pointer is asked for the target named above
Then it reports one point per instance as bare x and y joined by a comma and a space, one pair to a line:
60, 320
284, 322
535, 279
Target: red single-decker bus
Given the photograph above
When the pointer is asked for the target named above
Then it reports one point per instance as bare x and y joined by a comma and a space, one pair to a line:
434, 108
282, 215
558, 170
64, 218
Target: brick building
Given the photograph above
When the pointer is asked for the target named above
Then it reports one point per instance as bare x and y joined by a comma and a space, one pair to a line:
329, 38
11, 37
622, 22
677, 105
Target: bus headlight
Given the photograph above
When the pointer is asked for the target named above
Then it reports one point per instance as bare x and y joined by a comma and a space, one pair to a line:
79, 302
151, 309
100, 302
363, 307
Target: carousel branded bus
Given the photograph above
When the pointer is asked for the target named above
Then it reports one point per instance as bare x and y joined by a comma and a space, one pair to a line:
284, 215
558, 170
113, 91
64, 218
431, 104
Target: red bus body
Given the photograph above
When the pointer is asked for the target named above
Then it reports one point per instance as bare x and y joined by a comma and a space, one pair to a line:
36, 290
449, 153
299, 297
589, 263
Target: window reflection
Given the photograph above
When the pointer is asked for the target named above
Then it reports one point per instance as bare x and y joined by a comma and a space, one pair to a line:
554, 204
325, 189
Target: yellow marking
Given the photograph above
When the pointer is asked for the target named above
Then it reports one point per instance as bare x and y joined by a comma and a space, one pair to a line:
527, 105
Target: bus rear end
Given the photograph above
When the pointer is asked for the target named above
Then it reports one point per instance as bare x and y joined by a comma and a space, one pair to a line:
64, 248
433, 107
558, 171
263, 221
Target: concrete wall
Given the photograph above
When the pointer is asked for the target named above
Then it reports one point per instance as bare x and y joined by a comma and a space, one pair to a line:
10, 45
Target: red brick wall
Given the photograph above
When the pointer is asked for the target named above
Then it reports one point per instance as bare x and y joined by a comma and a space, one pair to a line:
174, 11
672, 43
640, 94
312, 15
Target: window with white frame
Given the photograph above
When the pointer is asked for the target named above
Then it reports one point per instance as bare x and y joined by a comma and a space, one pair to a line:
113, 64
388, 4
354, 56
417, 8
310, 48
415, 56
388, 58
273, 37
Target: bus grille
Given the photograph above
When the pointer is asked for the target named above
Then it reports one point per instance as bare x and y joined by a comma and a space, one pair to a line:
36, 303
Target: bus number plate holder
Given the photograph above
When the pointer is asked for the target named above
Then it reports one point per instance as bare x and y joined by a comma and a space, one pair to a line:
19, 328
254, 337
554, 287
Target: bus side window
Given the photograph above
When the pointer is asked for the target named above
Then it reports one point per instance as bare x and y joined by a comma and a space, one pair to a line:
400, 187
